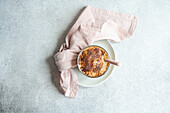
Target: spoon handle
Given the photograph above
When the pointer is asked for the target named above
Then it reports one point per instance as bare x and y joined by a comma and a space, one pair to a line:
112, 62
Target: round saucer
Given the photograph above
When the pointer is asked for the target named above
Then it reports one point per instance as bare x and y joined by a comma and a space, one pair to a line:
91, 82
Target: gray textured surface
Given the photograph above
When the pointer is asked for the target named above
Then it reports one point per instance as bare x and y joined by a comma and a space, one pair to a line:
30, 32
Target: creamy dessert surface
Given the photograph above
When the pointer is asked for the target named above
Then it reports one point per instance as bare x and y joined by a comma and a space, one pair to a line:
91, 61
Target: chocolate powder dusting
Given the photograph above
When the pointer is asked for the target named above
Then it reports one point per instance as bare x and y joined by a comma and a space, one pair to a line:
91, 61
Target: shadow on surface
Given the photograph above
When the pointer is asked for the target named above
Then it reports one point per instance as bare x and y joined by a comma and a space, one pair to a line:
55, 74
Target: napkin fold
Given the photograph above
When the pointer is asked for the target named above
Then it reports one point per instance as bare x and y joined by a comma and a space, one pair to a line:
93, 24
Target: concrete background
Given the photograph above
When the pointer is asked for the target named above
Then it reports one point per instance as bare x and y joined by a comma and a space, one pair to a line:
30, 33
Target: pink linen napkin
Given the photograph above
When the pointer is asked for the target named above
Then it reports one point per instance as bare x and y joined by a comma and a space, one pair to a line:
92, 25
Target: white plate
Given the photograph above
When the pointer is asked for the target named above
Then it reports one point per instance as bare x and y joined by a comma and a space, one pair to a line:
91, 82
